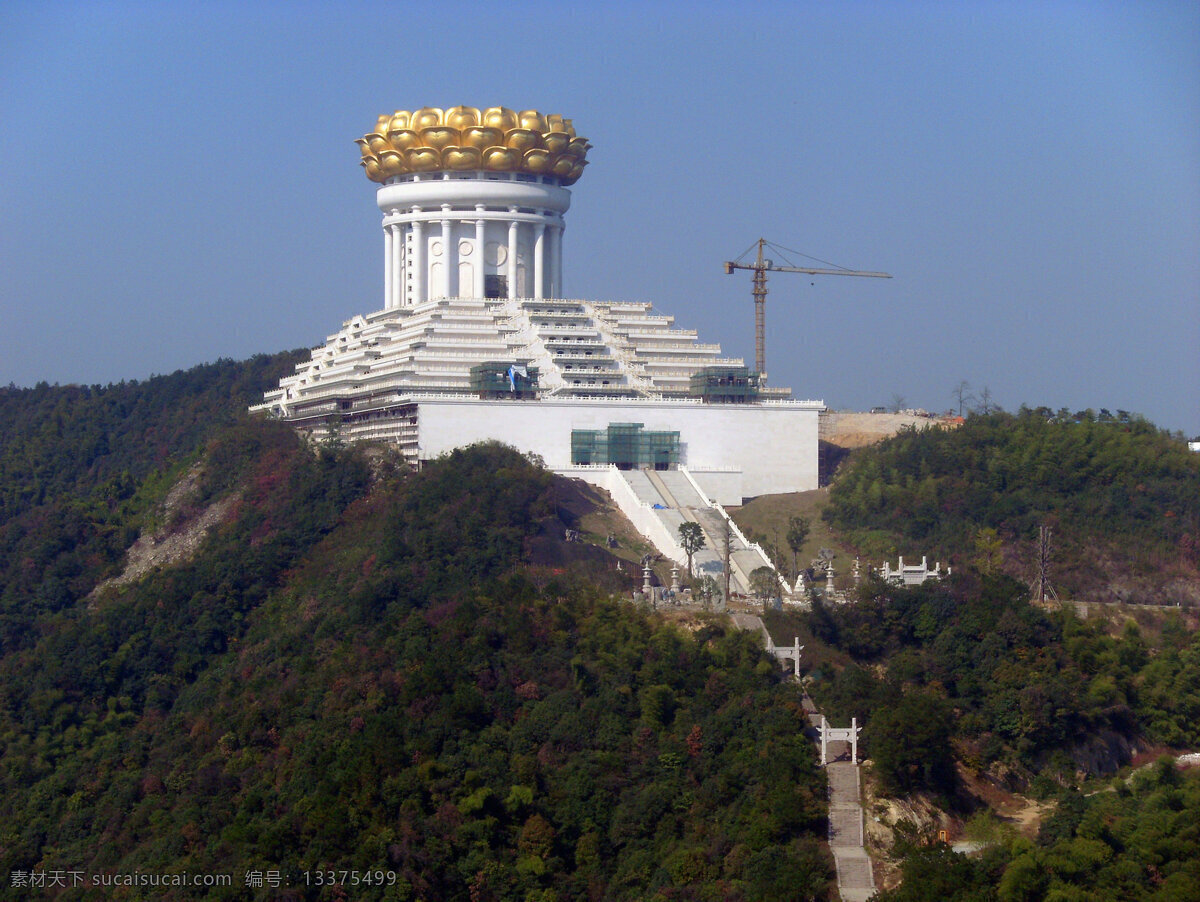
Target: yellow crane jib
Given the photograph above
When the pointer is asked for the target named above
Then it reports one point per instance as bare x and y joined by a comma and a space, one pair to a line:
760, 267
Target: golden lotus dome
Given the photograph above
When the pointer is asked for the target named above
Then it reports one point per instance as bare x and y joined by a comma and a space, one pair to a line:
465, 138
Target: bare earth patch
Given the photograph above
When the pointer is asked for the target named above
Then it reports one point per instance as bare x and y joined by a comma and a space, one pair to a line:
168, 546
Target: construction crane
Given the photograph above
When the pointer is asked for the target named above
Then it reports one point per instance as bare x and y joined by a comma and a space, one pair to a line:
761, 267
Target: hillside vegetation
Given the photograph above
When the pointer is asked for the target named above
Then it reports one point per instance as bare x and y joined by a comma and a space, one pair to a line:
82, 468
367, 669
358, 670
1136, 843
968, 670
1121, 497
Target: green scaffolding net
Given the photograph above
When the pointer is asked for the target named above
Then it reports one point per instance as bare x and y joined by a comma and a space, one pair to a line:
725, 385
504, 379
627, 445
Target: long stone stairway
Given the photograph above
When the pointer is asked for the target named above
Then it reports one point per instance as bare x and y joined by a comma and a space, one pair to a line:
856, 883
674, 499
855, 877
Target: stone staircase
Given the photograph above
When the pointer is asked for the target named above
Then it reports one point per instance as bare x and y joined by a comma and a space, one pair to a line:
675, 500
856, 882
855, 878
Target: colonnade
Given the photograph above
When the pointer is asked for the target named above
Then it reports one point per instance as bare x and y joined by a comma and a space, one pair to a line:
431, 253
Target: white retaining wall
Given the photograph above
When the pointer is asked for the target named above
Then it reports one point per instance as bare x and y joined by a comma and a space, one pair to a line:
773, 445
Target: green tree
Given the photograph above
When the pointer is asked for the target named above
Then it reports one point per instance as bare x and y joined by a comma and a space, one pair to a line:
910, 744
990, 547
798, 530
691, 540
706, 587
764, 582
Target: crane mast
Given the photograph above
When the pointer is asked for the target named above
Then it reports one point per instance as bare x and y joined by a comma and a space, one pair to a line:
761, 267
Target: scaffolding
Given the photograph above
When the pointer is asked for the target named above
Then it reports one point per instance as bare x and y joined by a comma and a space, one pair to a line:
628, 446
504, 379
725, 385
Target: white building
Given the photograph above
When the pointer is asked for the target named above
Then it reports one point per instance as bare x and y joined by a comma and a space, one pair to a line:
475, 342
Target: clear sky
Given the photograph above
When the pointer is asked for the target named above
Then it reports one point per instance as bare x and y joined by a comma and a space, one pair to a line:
179, 182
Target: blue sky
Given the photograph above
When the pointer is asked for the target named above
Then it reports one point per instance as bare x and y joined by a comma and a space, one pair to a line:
180, 181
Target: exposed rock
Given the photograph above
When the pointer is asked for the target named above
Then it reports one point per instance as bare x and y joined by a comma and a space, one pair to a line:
1103, 753
178, 540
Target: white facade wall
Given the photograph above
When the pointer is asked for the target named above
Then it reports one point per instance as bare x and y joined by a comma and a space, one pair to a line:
774, 446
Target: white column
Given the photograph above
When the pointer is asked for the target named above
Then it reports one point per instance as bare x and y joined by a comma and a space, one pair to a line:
450, 252
389, 274
418, 261
539, 260
512, 255
402, 272
397, 266
480, 261
554, 289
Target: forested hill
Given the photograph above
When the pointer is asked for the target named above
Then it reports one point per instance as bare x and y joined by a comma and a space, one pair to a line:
1121, 497
81, 468
357, 670
68, 440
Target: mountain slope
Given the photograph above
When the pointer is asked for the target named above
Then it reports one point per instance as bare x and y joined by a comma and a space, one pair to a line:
354, 672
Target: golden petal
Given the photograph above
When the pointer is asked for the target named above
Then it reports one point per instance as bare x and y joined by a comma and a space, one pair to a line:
523, 139
400, 119
404, 138
381, 124
569, 127
482, 137
532, 120
372, 166
501, 159
579, 147
556, 141
500, 117
423, 159
391, 163
461, 158
425, 117
563, 166
538, 160
554, 122
377, 143
440, 136
461, 117
576, 172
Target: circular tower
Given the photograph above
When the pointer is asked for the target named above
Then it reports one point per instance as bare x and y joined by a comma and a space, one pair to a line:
472, 201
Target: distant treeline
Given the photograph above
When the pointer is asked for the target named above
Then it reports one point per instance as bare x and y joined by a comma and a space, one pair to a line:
1122, 497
